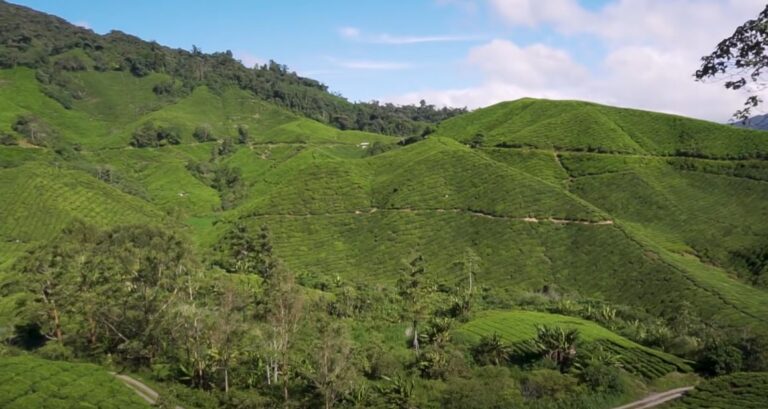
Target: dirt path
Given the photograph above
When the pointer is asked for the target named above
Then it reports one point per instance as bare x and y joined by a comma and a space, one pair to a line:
474, 213
656, 399
141, 389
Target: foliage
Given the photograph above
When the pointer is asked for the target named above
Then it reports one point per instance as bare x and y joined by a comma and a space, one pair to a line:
643, 232
488, 387
557, 344
37, 40
29, 382
491, 350
720, 359
545, 383
602, 378
742, 57
204, 133
151, 135
36, 131
739, 390
414, 289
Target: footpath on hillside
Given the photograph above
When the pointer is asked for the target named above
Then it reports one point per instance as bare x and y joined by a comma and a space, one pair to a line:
656, 399
475, 213
141, 389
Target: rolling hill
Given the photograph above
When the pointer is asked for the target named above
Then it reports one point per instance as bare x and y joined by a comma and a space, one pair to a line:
628, 216
652, 215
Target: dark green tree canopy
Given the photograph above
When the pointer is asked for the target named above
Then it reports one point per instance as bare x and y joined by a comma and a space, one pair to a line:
741, 58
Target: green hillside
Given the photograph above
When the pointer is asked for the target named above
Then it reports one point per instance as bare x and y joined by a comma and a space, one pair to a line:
583, 126
29, 382
740, 390
241, 236
519, 328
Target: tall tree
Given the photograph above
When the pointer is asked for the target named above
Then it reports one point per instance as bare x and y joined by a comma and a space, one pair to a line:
414, 289
284, 312
230, 327
332, 369
742, 59
240, 250
53, 282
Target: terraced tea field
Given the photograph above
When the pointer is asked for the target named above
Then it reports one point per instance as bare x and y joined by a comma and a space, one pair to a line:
28, 382
517, 328
736, 391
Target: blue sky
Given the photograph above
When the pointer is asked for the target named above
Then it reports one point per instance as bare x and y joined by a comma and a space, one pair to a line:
454, 52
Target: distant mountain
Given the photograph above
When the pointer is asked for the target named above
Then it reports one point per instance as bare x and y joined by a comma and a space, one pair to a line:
756, 122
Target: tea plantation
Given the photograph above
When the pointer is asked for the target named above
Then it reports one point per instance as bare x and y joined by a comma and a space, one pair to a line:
28, 382
739, 390
156, 216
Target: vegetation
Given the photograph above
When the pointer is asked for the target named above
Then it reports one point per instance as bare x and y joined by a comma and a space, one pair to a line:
741, 57
166, 215
29, 382
740, 390
57, 49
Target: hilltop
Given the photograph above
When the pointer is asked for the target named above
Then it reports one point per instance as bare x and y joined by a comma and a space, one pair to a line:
154, 207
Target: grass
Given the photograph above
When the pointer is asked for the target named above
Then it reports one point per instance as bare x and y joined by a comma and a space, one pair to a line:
739, 390
683, 229
583, 126
687, 211
39, 200
28, 382
519, 327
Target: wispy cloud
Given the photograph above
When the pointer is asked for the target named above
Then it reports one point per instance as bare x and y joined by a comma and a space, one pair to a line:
355, 34
370, 64
349, 32
392, 39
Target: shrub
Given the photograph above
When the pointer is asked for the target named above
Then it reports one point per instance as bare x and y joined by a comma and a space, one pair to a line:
203, 133
55, 351
35, 130
70, 63
378, 148
720, 359
150, 135
243, 134
7, 139
548, 383
164, 88
603, 378
489, 387
491, 350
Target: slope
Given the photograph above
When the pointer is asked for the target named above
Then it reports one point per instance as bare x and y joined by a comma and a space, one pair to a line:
583, 126
27, 382
518, 328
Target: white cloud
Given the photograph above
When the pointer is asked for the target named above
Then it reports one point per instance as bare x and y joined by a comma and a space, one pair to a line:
349, 32
248, 59
638, 77
651, 49
535, 65
355, 34
532, 13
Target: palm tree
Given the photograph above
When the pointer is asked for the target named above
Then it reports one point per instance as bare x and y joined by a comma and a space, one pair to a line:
557, 344
491, 350
438, 332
